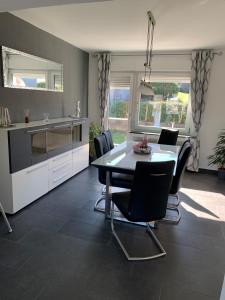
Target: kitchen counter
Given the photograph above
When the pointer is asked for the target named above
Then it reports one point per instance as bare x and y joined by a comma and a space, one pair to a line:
43, 123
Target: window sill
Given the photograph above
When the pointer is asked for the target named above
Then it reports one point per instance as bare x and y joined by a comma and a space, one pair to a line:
158, 133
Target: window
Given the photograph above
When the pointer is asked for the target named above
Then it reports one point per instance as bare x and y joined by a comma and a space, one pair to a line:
29, 80
118, 109
169, 108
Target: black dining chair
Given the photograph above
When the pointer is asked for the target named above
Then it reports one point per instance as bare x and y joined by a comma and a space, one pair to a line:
5, 218
146, 201
182, 161
168, 137
108, 136
119, 180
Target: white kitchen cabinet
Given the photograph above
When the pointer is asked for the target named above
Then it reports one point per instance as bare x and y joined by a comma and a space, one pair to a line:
60, 159
28, 185
80, 158
60, 169
29, 164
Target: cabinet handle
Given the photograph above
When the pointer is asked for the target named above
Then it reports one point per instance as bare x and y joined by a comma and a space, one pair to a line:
62, 126
37, 168
58, 158
60, 167
37, 130
61, 177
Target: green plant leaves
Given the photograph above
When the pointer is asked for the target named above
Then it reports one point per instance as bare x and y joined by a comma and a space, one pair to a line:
218, 158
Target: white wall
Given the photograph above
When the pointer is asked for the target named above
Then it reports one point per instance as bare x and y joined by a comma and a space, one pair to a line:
214, 115
160, 62
133, 63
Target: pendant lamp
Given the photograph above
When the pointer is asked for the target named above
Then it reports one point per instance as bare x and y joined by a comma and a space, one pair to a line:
145, 85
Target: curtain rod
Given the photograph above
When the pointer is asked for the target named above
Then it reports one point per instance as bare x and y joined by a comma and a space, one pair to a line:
219, 52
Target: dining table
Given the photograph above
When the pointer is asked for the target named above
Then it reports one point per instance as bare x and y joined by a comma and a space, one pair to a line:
123, 159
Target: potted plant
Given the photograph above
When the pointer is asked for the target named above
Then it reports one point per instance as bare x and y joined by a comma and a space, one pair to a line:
94, 130
218, 158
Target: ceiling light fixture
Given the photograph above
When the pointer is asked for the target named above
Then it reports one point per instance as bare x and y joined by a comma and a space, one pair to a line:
145, 85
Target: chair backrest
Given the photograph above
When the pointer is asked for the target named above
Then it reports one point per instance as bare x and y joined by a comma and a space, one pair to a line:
184, 143
101, 146
150, 190
168, 137
108, 136
182, 161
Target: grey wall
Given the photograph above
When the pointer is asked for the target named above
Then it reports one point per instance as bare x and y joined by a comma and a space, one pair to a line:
20, 35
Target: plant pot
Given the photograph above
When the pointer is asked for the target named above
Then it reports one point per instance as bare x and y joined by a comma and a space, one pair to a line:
221, 174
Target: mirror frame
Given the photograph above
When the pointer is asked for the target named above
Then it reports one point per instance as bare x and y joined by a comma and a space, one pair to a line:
5, 85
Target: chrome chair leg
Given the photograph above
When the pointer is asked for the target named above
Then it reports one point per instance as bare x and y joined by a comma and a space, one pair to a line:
96, 206
173, 220
104, 190
176, 202
152, 235
5, 218
173, 206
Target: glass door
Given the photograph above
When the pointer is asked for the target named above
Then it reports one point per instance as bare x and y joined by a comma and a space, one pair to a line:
59, 139
119, 107
77, 134
38, 139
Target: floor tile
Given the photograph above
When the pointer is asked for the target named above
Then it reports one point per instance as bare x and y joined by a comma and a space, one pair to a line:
61, 249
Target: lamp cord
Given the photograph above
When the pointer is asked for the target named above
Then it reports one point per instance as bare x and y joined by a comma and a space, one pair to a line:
149, 48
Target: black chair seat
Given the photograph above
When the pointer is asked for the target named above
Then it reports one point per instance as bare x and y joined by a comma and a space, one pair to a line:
122, 180
119, 180
122, 201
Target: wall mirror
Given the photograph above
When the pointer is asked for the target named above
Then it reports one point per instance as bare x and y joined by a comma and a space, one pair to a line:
25, 71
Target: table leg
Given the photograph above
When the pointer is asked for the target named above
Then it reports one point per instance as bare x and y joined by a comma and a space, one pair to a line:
108, 195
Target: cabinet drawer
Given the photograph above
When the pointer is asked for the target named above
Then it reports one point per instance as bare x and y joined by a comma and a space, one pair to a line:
58, 174
80, 158
60, 159
29, 185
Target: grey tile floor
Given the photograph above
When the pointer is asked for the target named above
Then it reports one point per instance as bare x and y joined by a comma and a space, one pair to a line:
61, 249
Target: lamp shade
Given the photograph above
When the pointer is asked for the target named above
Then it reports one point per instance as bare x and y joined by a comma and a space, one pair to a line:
146, 88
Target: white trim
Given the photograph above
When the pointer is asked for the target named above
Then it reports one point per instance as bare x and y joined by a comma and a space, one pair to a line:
157, 77
123, 76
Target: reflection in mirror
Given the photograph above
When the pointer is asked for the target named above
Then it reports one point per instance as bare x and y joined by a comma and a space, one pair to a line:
25, 71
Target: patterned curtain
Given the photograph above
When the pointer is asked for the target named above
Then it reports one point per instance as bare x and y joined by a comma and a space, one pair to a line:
200, 73
104, 64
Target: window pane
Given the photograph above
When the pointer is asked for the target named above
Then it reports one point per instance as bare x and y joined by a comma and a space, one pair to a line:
29, 80
168, 108
118, 113
57, 82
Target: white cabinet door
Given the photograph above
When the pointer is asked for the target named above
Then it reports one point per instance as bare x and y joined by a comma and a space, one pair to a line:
80, 158
29, 184
60, 169
60, 159
60, 173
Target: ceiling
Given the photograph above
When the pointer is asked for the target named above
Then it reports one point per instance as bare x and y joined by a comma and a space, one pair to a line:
8, 5
120, 25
